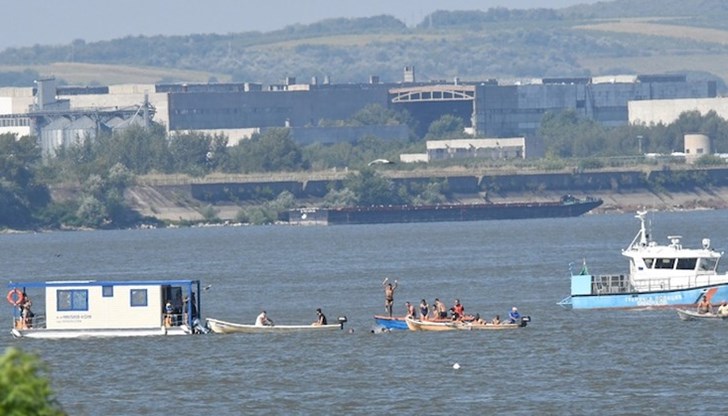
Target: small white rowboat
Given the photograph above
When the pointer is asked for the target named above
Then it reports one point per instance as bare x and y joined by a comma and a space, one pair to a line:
688, 315
222, 327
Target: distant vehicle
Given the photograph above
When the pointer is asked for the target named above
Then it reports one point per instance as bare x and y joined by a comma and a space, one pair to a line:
380, 162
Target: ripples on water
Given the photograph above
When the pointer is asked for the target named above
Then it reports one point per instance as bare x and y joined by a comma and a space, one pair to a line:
584, 362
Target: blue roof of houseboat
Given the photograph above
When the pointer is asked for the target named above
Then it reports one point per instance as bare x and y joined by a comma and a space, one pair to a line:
62, 283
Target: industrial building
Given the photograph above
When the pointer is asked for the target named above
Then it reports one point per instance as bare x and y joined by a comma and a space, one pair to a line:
652, 112
43, 112
488, 108
502, 111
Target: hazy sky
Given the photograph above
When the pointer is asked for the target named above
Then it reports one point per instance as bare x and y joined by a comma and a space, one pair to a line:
30, 22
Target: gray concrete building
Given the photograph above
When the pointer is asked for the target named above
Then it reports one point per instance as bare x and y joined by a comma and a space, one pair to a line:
502, 111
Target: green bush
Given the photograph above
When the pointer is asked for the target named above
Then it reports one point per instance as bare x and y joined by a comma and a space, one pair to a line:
25, 387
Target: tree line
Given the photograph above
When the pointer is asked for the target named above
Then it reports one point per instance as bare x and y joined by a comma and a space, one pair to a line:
103, 168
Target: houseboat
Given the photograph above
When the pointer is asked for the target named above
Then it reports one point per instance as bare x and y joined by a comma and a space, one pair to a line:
660, 276
91, 308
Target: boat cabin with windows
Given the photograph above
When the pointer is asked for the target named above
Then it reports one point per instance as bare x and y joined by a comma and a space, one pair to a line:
659, 275
89, 308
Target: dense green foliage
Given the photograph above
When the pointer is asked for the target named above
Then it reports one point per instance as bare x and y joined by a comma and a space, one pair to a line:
21, 194
24, 386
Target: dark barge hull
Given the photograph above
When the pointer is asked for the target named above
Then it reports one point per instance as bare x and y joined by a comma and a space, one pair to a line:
438, 213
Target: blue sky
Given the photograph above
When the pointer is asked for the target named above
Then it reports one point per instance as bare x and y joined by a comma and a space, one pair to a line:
30, 22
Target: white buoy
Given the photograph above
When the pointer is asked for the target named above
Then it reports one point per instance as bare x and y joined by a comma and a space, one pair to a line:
456, 366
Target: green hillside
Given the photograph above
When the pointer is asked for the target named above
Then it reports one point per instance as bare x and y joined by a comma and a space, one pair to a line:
621, 36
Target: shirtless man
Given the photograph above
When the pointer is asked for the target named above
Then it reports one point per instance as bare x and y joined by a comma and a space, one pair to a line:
704, 306
389, 295
440, 309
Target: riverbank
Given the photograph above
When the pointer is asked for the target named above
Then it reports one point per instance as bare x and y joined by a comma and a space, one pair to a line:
177, 204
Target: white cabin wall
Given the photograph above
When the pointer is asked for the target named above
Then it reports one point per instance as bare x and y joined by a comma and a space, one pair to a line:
113, 312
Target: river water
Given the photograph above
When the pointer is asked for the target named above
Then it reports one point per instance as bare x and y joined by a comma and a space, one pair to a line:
585, 362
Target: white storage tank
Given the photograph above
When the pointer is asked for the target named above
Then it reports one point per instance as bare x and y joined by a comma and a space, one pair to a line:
696, 145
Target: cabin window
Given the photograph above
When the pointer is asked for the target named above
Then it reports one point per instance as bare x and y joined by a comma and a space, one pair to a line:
138, 297
107, 291
649, 262
686, 264
708, 265
665, 264
72, 300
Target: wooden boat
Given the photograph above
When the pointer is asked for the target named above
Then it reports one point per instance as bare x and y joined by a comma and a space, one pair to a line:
418, 325
222, 327
690, 315
91, 308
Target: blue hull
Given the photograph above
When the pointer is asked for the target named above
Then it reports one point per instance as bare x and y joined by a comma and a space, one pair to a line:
390, 323
657, 299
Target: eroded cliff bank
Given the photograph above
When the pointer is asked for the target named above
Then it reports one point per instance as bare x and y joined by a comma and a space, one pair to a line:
176, 203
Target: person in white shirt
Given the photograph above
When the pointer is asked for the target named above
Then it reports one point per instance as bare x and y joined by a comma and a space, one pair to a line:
723, 309
263, 320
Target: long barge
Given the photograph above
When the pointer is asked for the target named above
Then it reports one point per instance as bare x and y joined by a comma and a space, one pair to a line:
568, 206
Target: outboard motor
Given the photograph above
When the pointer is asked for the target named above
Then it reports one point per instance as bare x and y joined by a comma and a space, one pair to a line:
342, 321
524, 320
198, 328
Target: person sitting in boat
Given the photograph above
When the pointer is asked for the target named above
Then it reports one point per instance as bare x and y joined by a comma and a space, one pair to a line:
424, 310
458, 311
478, 320
704, 305
263, 320
496, 320
410, 308
389, 295
514, 315
320, 318
723, 309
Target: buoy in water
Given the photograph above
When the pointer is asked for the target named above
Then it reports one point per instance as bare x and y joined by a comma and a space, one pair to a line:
456, 366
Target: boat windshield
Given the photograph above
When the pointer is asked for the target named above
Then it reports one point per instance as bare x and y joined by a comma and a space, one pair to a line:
686, 264
707, 264
665, 264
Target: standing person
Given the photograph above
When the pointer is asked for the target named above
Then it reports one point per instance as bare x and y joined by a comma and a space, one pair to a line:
168, 312
389, 295
25, 313
440, 309
410, 310
424, 310
514, 315
263, 320
320, 318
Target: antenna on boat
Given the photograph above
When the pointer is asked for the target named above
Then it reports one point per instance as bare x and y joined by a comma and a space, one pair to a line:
643, 229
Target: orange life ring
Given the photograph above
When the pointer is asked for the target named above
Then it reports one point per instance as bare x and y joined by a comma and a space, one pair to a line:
15, 300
